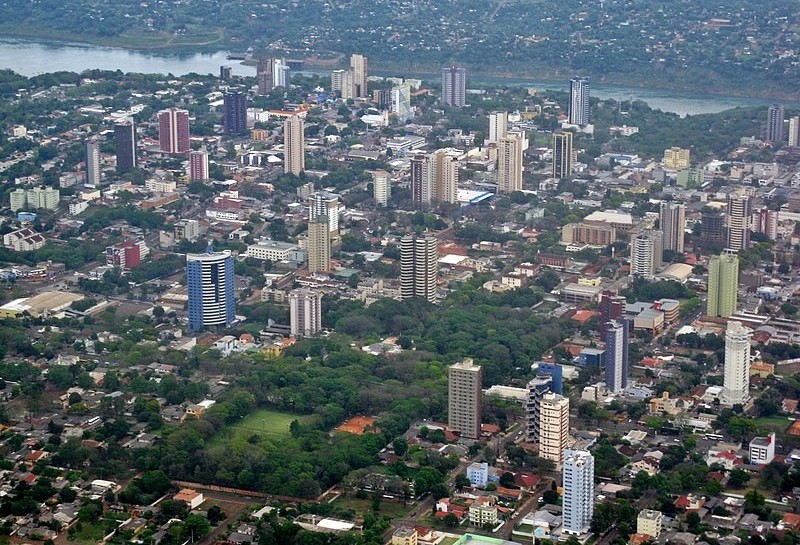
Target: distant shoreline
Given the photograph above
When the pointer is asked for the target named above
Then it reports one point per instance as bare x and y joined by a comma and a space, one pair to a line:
378, 66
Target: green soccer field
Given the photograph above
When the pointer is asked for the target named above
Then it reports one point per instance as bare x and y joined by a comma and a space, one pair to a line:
264, 422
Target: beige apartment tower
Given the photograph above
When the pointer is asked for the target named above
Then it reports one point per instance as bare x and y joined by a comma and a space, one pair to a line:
359, 68
509, 163
553, 427
465, 398
293, 145
319, 245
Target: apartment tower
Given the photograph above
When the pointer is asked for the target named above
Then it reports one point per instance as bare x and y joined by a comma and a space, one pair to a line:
578, 483
672, 222
616, 355
454, 86
723, 284
579, 101
209, 277
92, 162
198, 166
419, 267
509, 163
736, 379
305, 312
553, 426
173, 131
381, 187
319, 245
464, 398
775, 119
293, 145
235, 116
125, 145
562, 155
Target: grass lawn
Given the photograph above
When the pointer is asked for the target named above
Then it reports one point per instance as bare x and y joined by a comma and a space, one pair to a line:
264, 422
390, 509
448, 541
772, 423
89, 534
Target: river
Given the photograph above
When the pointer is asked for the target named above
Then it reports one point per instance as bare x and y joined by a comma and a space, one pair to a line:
30, 58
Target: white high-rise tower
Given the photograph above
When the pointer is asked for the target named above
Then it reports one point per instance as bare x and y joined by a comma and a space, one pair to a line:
736, 378
578, 482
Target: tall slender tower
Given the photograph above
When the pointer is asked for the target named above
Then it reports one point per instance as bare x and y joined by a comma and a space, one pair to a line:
305, 312
794, 131
294, 161
92, 162
498, 126
212, 300
173, 130
612, 307
553, 426
125, 144
319, 245
775, 118
646, 254
672, 220
736, 379
562, 155
442, 175
264, 75
198, 166
616, 355
579, 101
464, 398
235, 116
537, 388
324, 203
381, 187
509, 163
419, 267
281, 76
420, 189
454, 86
723, 284
578, 482
359, 67
740, 212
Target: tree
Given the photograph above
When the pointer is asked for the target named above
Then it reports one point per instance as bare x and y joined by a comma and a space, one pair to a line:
195, 527
461, 481
400, 446
550, 497
450, 520
507, 479
738, 478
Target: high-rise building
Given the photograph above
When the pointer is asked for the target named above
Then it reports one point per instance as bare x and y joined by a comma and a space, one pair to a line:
92, 162
579, 101
553, 426
775, 119
34, 198
305, 312
616, 355
736, 379
324, 203
225, 72
342, 83
562, 155
381, 187
294, 161
712, 225
723, 284
537, 388
264, 75
738, 221
765, 221
173, 131
383, 98
676, 158
319, 245
612, 307
212, 300
359, 67
127, 254
281, 76
401, 102
18, 199
186, 229
672, 222
509, 163
235, 116
125, 144
464, 398
419, 267
498, 126
794, 131
454, 86
434, 177
578, 483
420, 189
646, 252
198, 166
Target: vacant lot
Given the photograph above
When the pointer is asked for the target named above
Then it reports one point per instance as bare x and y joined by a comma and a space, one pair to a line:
263, 422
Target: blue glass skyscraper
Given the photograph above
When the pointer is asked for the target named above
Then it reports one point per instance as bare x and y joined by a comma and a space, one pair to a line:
211, 290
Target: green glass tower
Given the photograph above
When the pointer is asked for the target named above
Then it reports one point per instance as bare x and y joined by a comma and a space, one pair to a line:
723, 284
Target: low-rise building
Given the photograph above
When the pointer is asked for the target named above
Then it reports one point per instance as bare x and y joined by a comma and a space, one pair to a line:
762, 449
275, 250
483, 511
478, 474
649, 522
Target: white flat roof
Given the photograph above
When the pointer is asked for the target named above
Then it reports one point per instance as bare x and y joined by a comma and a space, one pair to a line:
332, 524
452, 259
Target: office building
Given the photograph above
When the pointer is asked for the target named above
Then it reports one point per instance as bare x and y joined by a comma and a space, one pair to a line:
305, 312
464, 398
578, 484
794, 131
553, 426
775, 120
235, 115
359, 67
400, 104
381, 187
198, 166
562, 155
509, 163
186, 229
649, 523
419, 267
281, 76
92, 162
672, 223
537, 388
454, 86
264, 75
125, 144
616, 356
723, 284
173, 131
646, 252
319, 245
712, 227
738, 221
498, 126
736, 369
555, 372
294, 161
209, 277
324, 203
676, 158
579, 101
612, 307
